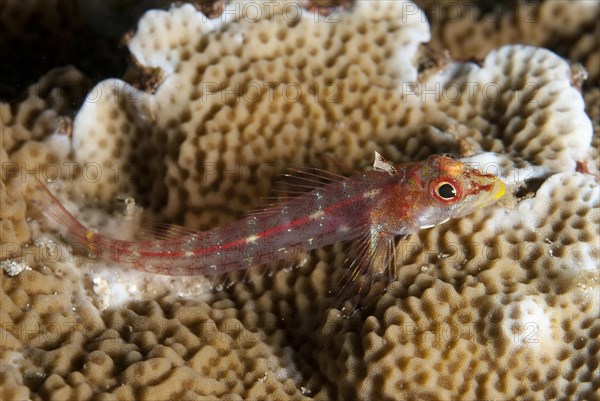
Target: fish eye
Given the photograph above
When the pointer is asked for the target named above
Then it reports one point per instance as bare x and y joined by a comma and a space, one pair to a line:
446, 191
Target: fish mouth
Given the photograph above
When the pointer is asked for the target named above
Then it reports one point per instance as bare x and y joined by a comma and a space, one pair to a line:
490, 189
498, 189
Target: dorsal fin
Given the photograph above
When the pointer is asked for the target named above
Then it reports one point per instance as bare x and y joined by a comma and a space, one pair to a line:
382, 164
342, 166
152, 230
294, 183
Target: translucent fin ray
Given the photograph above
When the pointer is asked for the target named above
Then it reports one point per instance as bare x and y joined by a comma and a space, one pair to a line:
68, 225
371, 260
293, 185
151, 230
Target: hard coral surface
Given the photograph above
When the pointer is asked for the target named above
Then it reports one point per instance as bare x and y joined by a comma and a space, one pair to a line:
470, 29
501, 304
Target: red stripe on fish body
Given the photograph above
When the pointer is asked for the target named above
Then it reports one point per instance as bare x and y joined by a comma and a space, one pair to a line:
324, 216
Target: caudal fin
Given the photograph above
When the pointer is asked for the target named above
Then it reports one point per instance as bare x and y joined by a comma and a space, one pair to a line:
68, 225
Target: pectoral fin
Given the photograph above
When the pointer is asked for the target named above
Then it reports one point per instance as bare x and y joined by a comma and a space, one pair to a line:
368, 269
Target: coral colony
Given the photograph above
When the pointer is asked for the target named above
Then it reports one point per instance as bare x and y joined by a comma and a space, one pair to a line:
501, 303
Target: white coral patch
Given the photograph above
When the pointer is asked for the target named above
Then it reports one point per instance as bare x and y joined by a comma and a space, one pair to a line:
576, 242
502, 167
526, 81
527, 324
158, 30
13, 267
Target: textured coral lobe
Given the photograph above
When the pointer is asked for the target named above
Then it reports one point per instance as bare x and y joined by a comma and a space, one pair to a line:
500, 304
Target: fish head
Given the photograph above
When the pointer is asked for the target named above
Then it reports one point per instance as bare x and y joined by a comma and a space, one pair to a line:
451, 189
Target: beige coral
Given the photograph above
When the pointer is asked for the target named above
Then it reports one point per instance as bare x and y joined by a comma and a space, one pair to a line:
13, 228
517, 317
470, 295
470, 29
34, 138
592, 103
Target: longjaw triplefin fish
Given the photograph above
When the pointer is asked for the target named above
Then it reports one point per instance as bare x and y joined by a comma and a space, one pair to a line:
370, 208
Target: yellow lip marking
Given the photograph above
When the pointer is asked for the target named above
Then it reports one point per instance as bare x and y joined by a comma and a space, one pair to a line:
500, 191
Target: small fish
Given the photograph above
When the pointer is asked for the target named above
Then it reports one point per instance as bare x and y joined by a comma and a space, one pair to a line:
370, 208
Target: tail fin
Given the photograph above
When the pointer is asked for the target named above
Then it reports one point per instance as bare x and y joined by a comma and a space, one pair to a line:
69, 226
81, 238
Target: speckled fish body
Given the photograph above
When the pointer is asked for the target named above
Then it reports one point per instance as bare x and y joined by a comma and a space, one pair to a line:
371, 207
